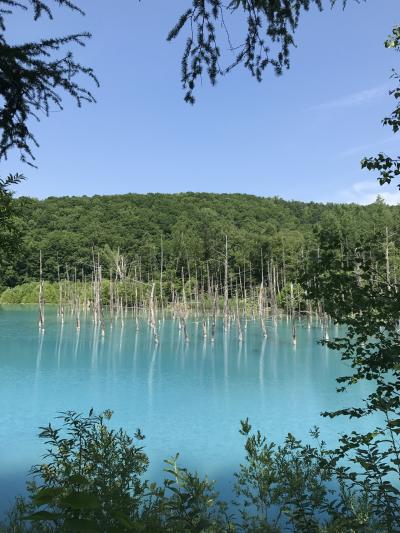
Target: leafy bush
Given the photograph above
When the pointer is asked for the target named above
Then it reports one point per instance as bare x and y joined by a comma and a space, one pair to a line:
92, 481
28, 293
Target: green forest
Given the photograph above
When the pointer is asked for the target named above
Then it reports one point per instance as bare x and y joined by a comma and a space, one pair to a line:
185, 235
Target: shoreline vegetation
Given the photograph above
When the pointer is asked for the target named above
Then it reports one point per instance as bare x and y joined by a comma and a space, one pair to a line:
176, 239
229, 255
92, 481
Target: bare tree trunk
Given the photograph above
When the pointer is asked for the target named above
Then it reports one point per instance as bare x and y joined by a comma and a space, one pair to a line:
161, 279
204, 323
77, 303
260, 310
99, 302
184, 302
152, 316
41, 293
214, 313
226, 285
239, 327
60, 293
292, 314
184, 327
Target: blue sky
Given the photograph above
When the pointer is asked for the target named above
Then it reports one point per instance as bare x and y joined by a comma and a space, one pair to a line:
300, 136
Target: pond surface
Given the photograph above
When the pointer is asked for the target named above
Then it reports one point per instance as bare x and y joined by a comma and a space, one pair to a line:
184, 396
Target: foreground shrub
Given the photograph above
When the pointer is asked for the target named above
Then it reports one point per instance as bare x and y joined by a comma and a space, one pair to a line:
92, 481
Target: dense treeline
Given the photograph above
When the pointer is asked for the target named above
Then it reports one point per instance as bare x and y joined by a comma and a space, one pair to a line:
186, 234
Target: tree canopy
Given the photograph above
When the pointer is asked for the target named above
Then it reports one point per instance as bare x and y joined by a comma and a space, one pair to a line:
268, 28
191, 229
34, 76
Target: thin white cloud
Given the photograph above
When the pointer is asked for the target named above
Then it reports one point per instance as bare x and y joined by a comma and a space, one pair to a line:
354, 99
363, 148
366, 192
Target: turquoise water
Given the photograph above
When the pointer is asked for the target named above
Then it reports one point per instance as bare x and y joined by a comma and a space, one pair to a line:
186, 397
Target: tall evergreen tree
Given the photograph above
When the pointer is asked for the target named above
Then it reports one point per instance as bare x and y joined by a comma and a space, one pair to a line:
35, 76
269, 28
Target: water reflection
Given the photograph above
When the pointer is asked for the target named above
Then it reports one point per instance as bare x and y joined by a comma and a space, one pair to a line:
186, 396
261, 366
150, 380
40, 349
239, 355
78, 336
95, 344
60, 342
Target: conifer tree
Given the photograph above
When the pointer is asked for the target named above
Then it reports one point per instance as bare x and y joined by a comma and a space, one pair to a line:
35, 76
269, 30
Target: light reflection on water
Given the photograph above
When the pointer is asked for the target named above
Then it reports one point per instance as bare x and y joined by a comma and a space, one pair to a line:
185, 396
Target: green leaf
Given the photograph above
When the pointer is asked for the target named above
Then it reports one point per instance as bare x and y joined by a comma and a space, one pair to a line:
80, 500
77, 525
123, 519
78, 479
42, 516
46, 495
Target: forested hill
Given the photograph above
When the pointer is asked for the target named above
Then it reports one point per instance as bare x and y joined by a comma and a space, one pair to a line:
188, 230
